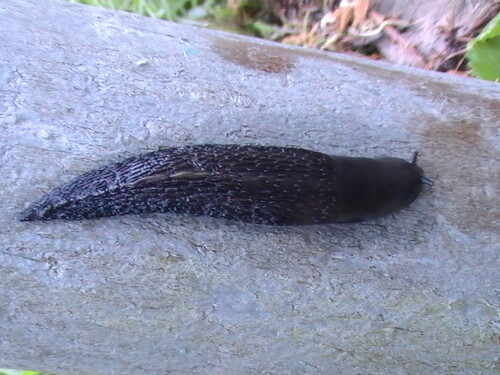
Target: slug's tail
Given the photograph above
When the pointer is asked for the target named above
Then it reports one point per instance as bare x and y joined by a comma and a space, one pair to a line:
28, 215
31, 214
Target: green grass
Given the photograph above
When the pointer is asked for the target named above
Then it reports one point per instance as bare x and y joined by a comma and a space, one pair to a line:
4, 371
209, 13
172, 10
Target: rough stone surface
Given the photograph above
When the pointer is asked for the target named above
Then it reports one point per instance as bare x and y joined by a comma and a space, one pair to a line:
415, 293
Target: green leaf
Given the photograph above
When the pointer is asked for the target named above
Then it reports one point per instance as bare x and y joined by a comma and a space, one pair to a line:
484, 52
5, 371
263, 30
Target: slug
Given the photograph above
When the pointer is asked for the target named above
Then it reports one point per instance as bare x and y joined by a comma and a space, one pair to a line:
254, 184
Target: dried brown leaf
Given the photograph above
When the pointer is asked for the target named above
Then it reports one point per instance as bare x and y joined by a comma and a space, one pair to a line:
360, 12
345, 16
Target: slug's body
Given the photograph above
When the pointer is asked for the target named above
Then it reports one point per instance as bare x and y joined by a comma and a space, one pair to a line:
257, 184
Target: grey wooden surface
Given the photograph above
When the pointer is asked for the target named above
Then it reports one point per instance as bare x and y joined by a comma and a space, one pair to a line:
414, 293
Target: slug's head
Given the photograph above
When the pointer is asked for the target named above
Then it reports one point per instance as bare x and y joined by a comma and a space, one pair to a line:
401, 183
397, 184
378, 187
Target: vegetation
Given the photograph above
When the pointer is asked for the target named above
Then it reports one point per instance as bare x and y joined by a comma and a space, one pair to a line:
484, 52
342, 28
173, 10
21, 372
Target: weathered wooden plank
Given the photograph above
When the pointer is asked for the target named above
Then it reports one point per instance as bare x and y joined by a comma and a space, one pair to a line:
414, 293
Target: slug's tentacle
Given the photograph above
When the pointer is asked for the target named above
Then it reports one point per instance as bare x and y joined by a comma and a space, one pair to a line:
424, 180
414, 158
266, 185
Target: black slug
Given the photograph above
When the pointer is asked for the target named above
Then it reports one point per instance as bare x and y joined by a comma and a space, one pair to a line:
256, 184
